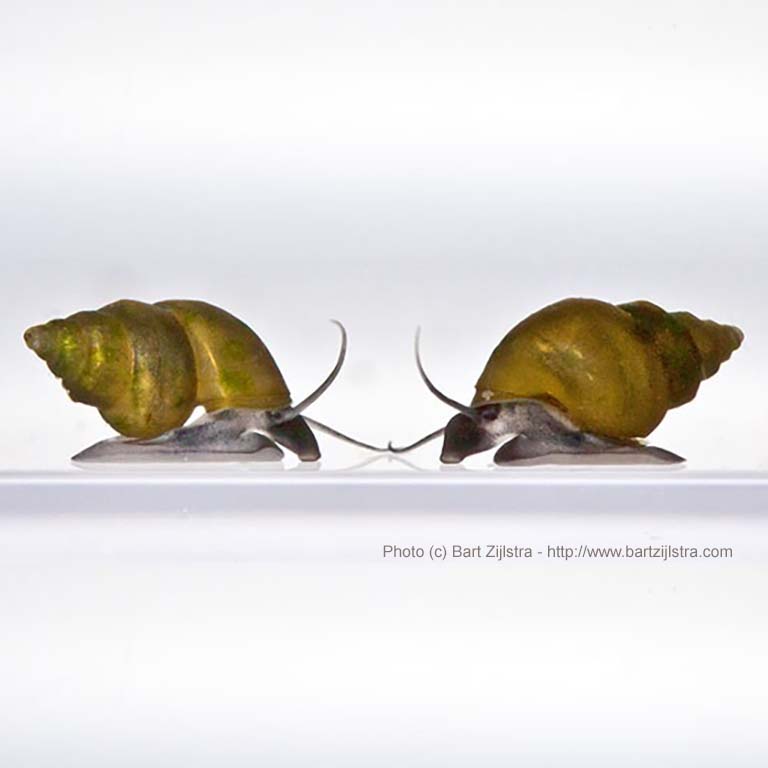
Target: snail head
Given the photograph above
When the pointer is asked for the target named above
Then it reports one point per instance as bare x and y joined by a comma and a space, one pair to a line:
465, 435
472, 430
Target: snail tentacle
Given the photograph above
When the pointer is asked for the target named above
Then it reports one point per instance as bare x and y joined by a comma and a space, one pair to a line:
341, 436
422, 441
465, 409
289, 413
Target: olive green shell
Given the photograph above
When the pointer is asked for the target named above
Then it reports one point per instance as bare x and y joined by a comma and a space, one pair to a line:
614, 370
147, 366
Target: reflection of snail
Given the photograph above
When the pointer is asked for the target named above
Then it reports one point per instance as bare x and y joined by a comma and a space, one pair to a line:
584, 377
147, 366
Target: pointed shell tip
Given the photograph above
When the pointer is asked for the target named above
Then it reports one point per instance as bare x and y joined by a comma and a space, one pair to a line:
33, 337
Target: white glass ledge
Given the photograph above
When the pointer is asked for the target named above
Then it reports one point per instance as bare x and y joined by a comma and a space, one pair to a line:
449, 489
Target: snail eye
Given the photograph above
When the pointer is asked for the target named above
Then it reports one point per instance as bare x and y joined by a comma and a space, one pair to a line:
489, 412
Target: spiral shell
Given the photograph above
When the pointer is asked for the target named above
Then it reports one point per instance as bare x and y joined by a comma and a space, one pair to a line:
147, 366
614, 369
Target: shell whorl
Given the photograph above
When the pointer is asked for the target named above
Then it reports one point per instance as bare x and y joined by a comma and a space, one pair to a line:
147, 366
716, 343
690, 349
233, 365
615, 369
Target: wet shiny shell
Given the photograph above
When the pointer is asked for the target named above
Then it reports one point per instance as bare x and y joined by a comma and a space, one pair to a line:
147, 366
614, 369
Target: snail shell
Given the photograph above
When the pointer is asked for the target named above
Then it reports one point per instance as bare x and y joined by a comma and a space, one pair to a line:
614, 369
147, 366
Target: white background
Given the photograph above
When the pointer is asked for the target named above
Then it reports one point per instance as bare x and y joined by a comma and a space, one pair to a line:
455, 165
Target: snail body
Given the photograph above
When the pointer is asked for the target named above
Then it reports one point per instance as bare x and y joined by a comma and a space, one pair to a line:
146, 367
586, 376
615, 370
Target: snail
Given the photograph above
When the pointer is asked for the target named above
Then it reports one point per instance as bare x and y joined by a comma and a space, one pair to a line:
583, 376
146, 367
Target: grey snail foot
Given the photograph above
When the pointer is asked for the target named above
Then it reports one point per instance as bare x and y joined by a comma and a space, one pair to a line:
534, 432
579, 448
222, 436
